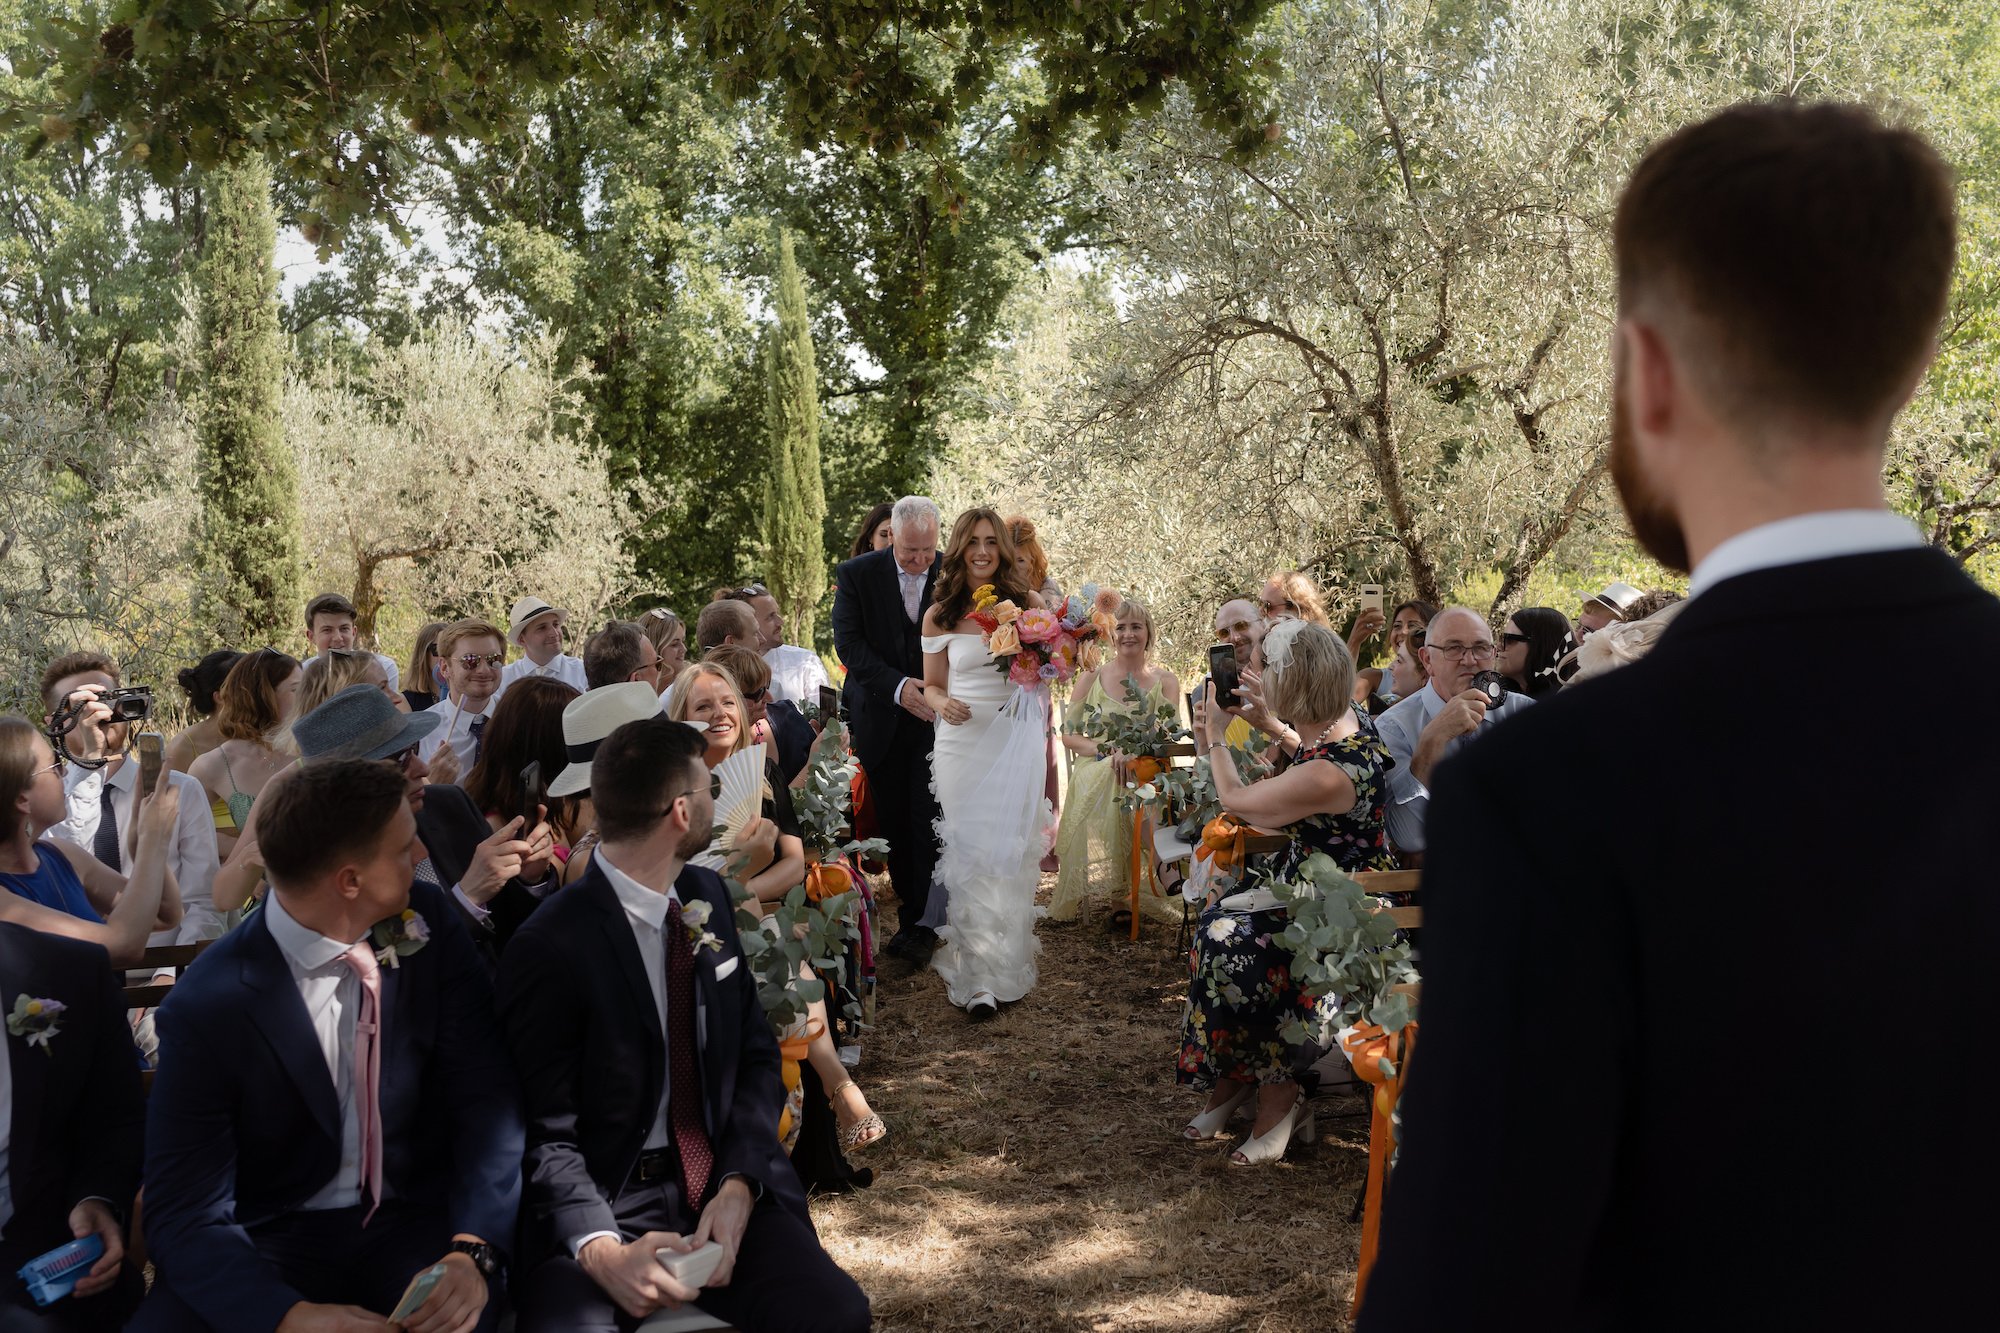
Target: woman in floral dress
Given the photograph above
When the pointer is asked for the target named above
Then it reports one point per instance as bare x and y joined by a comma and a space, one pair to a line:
1330, 798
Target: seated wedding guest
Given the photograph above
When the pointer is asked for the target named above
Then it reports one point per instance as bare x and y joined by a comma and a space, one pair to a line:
1439, 720
706, 693
1407, 672
61, 889
1291, 593
335, 670
324, 1127
537, 629
776, 722
1329, 799
1784, 269
495, 876
797, 674
1241, 624
330, 624
426, 675
652, 1078
1533, 643
524, 735
473, 654
586, 721
199, 683
100, 814
620, 651
1606, 608
1407, 619
668, 634
253, 709
1033, 561
1094, 840
73, 1133
727, 621
876, 531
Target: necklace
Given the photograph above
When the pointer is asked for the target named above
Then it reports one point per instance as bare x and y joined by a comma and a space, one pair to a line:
1323, 735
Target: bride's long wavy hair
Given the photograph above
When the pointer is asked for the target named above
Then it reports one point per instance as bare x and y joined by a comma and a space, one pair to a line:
952, 596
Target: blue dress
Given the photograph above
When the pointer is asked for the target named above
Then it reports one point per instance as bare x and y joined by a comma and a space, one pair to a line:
54, 885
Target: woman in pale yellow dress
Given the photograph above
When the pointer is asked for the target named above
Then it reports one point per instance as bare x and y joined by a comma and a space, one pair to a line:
1094, 843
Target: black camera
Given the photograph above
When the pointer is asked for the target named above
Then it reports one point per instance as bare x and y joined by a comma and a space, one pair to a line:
1493, 685
133, 705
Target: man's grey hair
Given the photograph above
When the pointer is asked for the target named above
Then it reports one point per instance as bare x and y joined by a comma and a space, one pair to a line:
915, 513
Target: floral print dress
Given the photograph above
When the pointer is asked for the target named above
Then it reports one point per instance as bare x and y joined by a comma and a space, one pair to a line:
1241, 995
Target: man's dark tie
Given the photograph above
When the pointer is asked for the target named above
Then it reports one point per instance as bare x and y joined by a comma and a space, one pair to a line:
477, 730
105, 847
684, 1071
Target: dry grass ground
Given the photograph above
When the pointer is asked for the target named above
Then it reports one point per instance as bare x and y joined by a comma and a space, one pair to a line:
1035, 1179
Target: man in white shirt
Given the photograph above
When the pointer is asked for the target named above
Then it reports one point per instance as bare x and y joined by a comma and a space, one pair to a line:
330, 625
334, 1112
473, 655
797, 674
537, 629
1439, 720
101, 816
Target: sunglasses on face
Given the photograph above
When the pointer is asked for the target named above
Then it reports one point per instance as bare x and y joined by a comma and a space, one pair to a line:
400, 760
1513, 638
1228, 632
472, 661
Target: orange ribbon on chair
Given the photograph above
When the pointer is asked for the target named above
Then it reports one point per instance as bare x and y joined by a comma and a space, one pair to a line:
1366, 1047
1222, 841
826, 881
1143, 770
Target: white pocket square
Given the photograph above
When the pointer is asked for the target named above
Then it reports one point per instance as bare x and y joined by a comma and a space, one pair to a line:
726, 968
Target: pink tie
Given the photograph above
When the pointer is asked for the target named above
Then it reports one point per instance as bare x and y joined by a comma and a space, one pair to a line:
368, 1070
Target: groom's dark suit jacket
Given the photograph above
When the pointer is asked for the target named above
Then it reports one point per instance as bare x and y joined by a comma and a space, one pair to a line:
1712, 981
585, 1034
879, 645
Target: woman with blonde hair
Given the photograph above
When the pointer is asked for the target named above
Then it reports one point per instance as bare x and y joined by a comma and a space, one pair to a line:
708, 694
252, 711
669, 636
426, 672
1290, 593
1095, 839
336, 669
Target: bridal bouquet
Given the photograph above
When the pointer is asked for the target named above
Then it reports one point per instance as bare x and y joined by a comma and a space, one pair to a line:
1043, 645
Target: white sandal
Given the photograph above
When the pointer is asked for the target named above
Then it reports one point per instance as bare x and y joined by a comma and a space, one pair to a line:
1210, 1122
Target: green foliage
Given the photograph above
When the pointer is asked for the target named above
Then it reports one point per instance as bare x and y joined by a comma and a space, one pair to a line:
324, 90
794, 489
249, 486
1343, 948
824, 801
800, 933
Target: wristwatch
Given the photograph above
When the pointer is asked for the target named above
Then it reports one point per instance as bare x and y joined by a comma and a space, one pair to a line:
484, 1257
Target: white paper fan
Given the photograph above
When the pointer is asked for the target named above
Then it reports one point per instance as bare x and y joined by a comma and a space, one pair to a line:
742, 778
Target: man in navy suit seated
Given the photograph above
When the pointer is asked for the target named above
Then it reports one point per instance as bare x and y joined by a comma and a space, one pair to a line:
334, 1111
72, 1128
652, 1077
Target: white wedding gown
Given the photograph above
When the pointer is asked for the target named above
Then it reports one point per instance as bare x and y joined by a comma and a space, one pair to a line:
993, 827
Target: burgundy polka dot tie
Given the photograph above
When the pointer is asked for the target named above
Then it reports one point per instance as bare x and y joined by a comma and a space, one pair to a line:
684, 1071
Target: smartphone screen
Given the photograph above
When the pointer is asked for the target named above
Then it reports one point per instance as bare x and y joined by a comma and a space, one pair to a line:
829, 701
531, 796
152, 752
1222, 669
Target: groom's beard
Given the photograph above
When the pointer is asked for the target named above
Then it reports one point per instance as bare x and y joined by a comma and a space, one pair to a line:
1654, 523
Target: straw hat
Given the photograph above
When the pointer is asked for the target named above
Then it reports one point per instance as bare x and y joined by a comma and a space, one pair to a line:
595, 714
526, 610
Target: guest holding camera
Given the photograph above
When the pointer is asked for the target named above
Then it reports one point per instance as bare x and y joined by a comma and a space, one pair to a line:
1330, 798
253, 708
1440, 719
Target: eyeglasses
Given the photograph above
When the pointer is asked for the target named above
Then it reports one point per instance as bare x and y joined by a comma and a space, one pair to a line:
750, 590
59, 767
401, 759
714, 791
471, 661
1228, 632
758, 696
659, 613
1513, 638
1477, 652
1286, 607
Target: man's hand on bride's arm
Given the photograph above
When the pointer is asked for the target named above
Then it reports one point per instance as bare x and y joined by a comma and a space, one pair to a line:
911, 698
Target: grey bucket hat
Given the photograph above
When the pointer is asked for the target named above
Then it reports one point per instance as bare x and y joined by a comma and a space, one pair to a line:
360, 723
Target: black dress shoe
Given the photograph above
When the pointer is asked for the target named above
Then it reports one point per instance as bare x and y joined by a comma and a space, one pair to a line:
921, 946
898, 945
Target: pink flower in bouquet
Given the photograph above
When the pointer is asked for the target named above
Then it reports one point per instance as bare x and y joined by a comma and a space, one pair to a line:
1004, 641
1038, 626
1027, 669
1108, 601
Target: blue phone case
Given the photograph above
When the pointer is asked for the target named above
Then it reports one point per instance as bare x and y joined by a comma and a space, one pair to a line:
52, 1276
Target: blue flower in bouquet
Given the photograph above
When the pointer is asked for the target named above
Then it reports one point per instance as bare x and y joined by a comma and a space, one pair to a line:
1075, 612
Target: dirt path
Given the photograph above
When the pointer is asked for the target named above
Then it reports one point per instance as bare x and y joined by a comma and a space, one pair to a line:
1035, 1178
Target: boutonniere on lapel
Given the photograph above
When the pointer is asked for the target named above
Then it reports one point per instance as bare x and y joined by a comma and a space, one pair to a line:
398, 937
694, 918
35, 1021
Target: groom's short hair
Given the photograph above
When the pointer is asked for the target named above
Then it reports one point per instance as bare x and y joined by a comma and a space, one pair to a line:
1804, 252
635, 773
915, 511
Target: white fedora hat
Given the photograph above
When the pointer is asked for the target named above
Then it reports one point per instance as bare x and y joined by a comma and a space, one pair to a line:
595, 714
525, 610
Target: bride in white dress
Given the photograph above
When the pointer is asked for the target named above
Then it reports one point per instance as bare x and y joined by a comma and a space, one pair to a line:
988, 769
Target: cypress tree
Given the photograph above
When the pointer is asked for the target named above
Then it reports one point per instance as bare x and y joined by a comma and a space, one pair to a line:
794, 489
249, 482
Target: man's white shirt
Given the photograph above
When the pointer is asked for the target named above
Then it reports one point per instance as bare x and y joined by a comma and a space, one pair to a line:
562, 667
796, 673
1802, 538
456, 732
